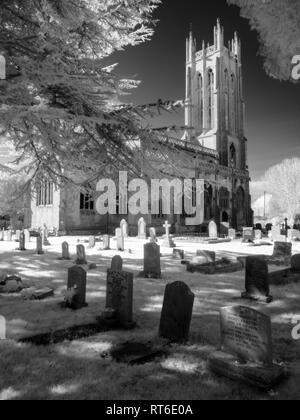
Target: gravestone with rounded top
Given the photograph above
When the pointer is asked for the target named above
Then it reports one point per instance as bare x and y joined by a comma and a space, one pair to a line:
142, 228
257, 282
65, 254
22, 246
77, 283
248, 234
152, 266
295, 263
116, 263
124, 228
92, 242
106, 243
232, 234
176, 313
81, 258
212, 230
120, 240
152, 233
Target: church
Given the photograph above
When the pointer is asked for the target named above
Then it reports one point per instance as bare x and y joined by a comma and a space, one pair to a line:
213, 148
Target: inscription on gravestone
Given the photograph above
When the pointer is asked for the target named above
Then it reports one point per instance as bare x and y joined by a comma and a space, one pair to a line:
247, 334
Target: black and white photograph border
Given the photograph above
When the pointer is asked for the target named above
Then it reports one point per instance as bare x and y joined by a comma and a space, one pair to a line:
149, 202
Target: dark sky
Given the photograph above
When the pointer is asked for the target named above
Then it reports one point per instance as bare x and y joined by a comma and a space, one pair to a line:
272, 107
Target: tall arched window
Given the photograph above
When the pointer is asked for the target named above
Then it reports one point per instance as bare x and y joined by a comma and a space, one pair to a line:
226, 99
210, 92
200, 99
232, 156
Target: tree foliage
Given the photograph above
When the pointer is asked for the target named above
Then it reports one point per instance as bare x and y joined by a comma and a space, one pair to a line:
277, 23
60, 103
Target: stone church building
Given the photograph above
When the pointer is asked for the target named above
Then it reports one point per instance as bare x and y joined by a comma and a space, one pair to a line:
213, 148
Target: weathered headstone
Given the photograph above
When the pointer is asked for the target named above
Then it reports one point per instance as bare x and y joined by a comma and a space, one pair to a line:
248, 234
178, 254
106, 243
124, 228
116, 263
39, 245
209, 256
120, 240
295, 263
232, 234
18, 232
293, 235
152, 233
2, 67
119, 296
81, 258
282, 250
168, 241
22, 246
212, 230
276, 234
152, 267
258, 234
77, 286
142, 234
246, 348
65, 254
92, 242
9, 235
257, 284
176, 313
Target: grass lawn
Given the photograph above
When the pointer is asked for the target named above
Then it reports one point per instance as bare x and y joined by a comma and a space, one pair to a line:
77, 370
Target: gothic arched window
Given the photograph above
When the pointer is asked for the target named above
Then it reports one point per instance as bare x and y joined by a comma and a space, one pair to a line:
232, 156
210, 92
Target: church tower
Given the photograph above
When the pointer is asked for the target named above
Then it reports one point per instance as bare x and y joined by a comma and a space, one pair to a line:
215, 108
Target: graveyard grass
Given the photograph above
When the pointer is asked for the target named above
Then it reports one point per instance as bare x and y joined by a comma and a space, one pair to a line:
79, 370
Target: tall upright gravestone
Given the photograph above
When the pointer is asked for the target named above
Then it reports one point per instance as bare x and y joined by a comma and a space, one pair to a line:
257, 283
65, 254
152, 266
77, 283
176, 313
81, 258
106, 243
142, 234
212, 230
120, 240
124, 228
22, 246
39, 245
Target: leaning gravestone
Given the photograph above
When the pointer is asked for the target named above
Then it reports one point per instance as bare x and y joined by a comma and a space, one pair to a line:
119, 297
257, 283
124, 228
212, 230
77, 287
152, 267
142, 228
116, 263
65, 254
39, 245
92, 242
176, 313
106, 243
246, 348
120, 240
22, 246
81, 258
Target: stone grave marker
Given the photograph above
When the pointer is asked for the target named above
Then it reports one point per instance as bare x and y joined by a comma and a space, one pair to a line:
257, 234
152, 266
178, 254
246, 348
9, 235
212, 230
92, 242
276, 234
2, 235
45, 236
77, 287
39, 245
65, 253
27, 235
124, 228
152, 233
119, 297
142, 228
22, 246
120, 240
18, 232
81, 258
116, 263
176, 313
282, 250
257, 283
106, 243
168, 241
248, 234
293, 235
232, 234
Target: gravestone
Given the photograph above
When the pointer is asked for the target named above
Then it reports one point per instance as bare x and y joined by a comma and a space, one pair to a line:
81, 258
248, 234
209, 256
27, 235
212, 230
2, 235
276, 234
119, 297
9, 235
92, 242
282, 250
257, 234
116, 263
77, 284
176, 313
18, 232
257, 284
293, 235
120, 240
2, 328
168, 241
246, 348
178, 254
45, 236
124, 228
232, 234
142, 228
39, 245
106, 243
152, 267
295, 263
65, 254
152, 233
22, 246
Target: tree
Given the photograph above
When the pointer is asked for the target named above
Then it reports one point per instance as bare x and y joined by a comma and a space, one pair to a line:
61, 104
277, 23
282, 181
